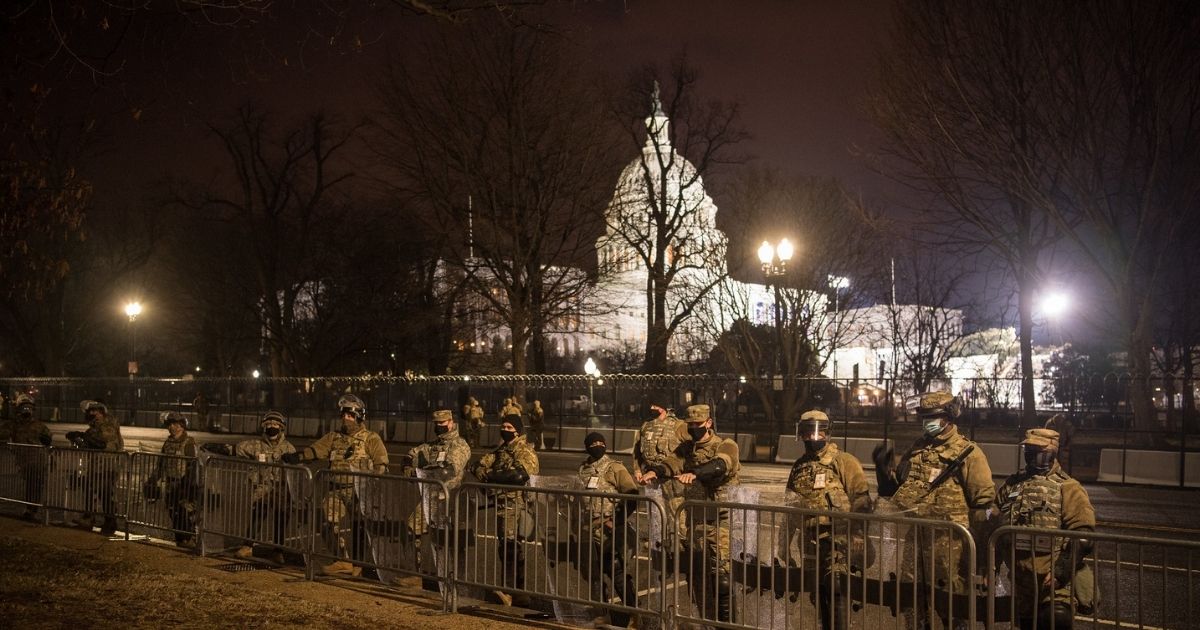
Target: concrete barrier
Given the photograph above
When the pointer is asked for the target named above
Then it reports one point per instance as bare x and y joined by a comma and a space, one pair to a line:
622, 442
1003, 459
746, 443
1155, 468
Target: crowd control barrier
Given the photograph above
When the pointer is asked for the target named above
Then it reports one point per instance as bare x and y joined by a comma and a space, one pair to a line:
88, 486
23, 476
163, 496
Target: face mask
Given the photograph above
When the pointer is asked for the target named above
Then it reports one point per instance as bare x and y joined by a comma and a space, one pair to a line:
698, 431
441, 429
933, 426
1038, 459
271, 431
596, 452
507, 436
26, 412
814, 446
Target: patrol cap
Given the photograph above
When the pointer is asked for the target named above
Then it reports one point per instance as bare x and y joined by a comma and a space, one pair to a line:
1044, 438
698, 413
443, 415
592, 438
274, 418
933, 404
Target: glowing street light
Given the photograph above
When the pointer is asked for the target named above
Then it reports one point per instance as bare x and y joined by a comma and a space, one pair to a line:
593, 373
256, 374
1055, 304
132, 310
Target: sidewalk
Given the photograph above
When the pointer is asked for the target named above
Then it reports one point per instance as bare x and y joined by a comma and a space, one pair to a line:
54, 576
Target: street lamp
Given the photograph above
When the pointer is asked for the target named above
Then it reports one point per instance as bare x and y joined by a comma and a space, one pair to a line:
774, 261
837, 283
593, 372
1055, 304
132, 310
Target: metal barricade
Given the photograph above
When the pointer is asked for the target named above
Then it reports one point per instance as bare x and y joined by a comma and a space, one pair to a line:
23, 476
89, 483
1064, 579
750, 565
164, 496
576, 554
247, 503
397, 526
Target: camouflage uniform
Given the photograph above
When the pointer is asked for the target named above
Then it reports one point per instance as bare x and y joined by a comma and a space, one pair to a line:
180, 480
509, 409
31, 463
513, 522
710, 526
269, 497
446, 455
938, 553
360, 451
103, 434
473, 421
1048, 499
608, 551
660, 447
537, 425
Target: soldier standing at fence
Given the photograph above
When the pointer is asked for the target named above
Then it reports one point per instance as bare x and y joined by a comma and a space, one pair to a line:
351, 448
710, 468
537, 425
943, 476
444, 459
103, 434
178, 478
658, 457
25, 429
1050, 580
509, 409
511, 463
473, 417
825, 478
269, 496
609, 548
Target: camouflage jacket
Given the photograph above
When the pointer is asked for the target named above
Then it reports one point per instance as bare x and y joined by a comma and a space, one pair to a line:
1050, 500
699, 454
262, 450
448, 452
104, 434
829, 480
604, 475
515, 454
20, 431
361, 451
173, 467
971, 487
661, 443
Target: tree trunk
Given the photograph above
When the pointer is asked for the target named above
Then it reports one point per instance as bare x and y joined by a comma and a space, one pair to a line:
1025, 337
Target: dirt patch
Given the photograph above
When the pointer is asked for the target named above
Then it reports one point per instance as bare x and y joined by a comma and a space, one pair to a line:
52, 577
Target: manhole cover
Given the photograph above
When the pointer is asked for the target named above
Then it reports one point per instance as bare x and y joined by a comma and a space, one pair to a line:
240, 567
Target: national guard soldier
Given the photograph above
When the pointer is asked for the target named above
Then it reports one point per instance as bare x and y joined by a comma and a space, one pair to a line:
444, 459
711, 466
943, 476
351, 448
510, 464
103, 434
175, 479
269, 495
537, 425
25, 429
609, 549
825, 478
657, 458
1051, 580
473, 417
509, 409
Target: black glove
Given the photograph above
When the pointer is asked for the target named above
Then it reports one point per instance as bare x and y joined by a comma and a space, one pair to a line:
217, 448
349, 452
290, 458
882, 456
74, 436
660, 472
514, 477
44, 439
713, 470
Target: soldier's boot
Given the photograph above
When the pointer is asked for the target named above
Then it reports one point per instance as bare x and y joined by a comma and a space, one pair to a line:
342, 567
245, 551
505, 598
109, 527
833, 613
724, 598
276, 556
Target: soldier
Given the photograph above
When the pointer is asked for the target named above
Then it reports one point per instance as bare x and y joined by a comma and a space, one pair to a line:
1051, 580
609, 549
943, 476
1066, 434
537, 425
473, 415
824, 478
444, 459
658, 457
103, 434
710, 467
511, 464
509, 409
351, 448
178, 477
25, 429
268, 495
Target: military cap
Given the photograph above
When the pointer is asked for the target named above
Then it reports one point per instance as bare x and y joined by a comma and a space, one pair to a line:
937, 404
698, 413
274, 417
815, 414
1045, 438
443, 415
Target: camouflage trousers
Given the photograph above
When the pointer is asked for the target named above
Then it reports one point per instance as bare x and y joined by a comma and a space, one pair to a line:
180, 498
1033, 597
710, 537
342, 529
934, 558
606, 556
514, 525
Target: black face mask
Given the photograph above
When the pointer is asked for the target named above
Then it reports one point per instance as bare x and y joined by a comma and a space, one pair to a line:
814, 446
507, 436
271, 431
441, 429
698, 432
26, 412
596, 452
1038, 460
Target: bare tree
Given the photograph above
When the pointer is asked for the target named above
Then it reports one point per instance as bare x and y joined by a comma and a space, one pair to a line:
927, 325
500, 141
662, 220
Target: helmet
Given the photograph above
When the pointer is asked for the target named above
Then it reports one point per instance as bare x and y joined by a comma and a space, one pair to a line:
167, 418
274, 417
812, 423
23, 399
935, 405
353, 404
93, 405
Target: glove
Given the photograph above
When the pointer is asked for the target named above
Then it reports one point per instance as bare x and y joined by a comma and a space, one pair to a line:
882, 455
349, 453
713, 470
44, 439
514, 477
74, 436
290, 458
217, 448
660, 472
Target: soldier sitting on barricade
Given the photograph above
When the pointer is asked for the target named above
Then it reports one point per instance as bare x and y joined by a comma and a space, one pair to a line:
824, 478
25, 429
510, 464
1051, 579
351, 448
176, 480
658, 457
269, 496
444, 459
103, 434
610, 547
711, 466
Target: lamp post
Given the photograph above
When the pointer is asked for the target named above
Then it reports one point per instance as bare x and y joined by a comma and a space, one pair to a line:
593, 372
132, 310
774, 259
